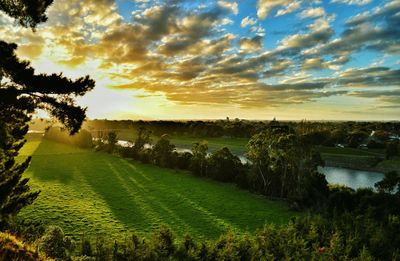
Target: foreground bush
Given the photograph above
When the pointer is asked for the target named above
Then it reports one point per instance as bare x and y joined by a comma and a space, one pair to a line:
345, 237
310, 238
13, 249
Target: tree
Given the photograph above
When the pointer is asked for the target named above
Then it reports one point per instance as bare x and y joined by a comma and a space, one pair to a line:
111, 140
199, 162
257, 153
183, 160
356, 137
21, 92
143, 138
224, 166
162, 151
391, 150
285, 163
390, 183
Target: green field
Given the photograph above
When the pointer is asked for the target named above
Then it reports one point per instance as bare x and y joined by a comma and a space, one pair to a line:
97, 193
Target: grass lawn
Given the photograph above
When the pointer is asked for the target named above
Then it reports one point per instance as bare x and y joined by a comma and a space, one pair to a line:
97, 193
391, 164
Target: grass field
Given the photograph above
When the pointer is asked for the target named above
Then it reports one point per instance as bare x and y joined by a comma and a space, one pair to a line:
97, 193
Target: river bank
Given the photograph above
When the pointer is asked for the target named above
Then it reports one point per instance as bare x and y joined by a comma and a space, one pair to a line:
365, 163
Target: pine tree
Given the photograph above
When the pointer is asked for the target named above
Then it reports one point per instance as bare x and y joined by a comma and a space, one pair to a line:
21, 92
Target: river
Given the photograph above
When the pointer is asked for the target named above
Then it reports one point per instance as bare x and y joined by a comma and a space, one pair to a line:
350, 177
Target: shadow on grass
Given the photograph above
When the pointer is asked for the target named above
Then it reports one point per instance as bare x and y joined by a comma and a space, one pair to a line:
128, 188
142, 197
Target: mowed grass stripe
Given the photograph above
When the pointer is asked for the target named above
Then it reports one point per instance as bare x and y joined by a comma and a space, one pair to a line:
96, 193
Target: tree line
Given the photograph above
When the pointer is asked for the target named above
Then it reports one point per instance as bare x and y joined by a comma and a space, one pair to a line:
314, 237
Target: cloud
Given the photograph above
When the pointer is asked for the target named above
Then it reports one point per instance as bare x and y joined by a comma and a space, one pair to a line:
377, 30
352, 2
277, 68
231, 6
313, 63
188, 56
264, 7
290, 8
259, 30
247, 21
251, 44
387, 99
312, 12
320, 32
376, 93
370, 77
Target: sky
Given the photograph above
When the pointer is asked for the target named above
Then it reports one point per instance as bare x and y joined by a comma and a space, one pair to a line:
248, 59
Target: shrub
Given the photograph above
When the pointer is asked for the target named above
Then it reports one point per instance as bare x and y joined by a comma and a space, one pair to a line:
12, 248
54, 243
86, 248
163, 242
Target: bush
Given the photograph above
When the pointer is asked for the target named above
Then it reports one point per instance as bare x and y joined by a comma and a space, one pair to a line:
163, 242
54, 243
348, 236
86, 248
12, 248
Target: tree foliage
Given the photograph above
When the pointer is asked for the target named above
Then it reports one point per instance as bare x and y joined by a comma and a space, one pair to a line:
28, 13
224, 166
199, 162
284, 164
162, 152
390, 183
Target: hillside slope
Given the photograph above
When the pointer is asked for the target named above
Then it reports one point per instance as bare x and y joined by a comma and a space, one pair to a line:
97, 193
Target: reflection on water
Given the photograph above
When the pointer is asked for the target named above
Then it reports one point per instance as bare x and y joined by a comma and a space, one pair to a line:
350, 177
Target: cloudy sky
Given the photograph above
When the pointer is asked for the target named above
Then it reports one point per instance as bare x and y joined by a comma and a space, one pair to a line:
253, 59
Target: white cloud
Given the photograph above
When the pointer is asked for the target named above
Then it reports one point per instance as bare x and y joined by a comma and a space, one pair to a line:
232, 6
264, 7
247, 21
289, 9
258, 30
226, 21
312, 12
352, 2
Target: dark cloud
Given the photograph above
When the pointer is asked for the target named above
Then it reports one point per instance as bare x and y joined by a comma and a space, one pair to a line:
251, 44
378, 93
370, 77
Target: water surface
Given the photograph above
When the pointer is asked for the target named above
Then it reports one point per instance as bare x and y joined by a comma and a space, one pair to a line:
350, 177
